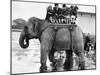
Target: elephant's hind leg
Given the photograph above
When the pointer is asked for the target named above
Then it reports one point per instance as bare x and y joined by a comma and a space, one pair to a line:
78, 50
80, 53
81, 65
78, 46
69, 60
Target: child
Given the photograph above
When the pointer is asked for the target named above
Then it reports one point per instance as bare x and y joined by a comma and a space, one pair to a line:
57, 12
65, 13
50, 14
73, 13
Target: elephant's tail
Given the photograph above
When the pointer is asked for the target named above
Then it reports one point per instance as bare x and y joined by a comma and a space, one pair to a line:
71, 40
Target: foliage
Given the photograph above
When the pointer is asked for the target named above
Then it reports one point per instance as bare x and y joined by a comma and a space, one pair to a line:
18, 23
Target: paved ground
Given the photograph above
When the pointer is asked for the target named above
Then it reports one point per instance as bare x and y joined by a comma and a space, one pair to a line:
28, 60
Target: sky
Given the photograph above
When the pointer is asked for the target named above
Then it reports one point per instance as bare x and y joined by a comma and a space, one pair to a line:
25, 10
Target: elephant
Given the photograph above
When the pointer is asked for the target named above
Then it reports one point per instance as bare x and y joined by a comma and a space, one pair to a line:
52, 39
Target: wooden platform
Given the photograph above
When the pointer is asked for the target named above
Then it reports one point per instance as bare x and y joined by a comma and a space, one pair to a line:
62, 25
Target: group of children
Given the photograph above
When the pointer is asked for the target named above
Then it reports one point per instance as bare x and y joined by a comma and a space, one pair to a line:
64, 15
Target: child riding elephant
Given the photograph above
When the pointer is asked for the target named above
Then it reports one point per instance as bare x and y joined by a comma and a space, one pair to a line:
57, 12
73, 13
66, 14
50, 14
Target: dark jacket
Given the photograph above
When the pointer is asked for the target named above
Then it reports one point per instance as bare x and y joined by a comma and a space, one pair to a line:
66, 11
73, 11
57, 11
49, 14
88, 39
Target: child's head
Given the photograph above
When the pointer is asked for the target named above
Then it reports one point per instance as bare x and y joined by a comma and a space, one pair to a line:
49, 7
76, 7
64, 5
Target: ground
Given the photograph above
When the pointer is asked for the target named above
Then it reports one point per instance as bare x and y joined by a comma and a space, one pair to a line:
28, 60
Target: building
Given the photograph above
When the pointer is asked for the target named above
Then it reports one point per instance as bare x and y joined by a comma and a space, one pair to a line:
87, 21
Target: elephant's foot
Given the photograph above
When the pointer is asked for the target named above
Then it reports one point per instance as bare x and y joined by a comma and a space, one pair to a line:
43, 69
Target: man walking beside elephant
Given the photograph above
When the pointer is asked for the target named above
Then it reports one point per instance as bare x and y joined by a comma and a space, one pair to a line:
57, 12
66, 14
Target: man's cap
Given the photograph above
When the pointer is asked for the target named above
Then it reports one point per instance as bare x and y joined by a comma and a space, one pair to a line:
49, 7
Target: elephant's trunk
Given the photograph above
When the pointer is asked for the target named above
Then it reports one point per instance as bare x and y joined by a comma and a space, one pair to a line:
23, 40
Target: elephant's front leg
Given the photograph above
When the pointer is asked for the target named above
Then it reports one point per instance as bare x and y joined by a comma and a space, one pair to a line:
44, 53
69, 61
46, 46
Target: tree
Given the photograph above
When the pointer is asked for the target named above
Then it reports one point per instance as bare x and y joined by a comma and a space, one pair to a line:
18, 23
